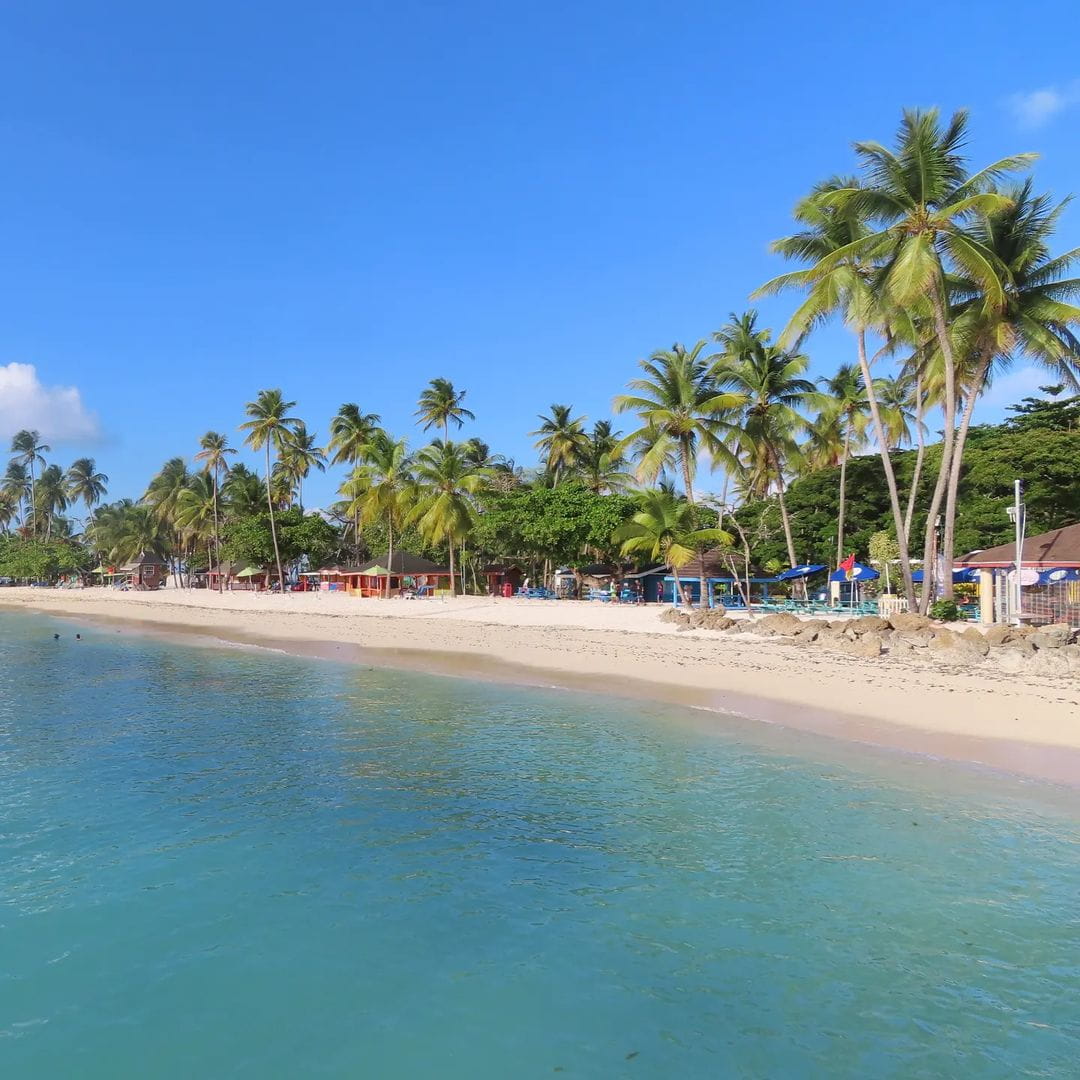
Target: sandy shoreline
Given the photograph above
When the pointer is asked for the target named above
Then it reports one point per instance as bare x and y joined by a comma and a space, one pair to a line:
1025, 724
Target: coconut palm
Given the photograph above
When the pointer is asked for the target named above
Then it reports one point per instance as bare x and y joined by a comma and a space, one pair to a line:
561, 440
214, 453
29, 452
666, 529
382, 487
269, 429
602, 462
843, 404
243, 493
196, 513
350, 432
299, 455
769, 384
917, 202
1035, 319
9, 510
841, 281
122, 530
162, 496
443, 510
50, 500
84, 483
15, 485
440, 405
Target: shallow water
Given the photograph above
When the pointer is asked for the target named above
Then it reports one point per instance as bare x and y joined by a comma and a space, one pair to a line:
231, 863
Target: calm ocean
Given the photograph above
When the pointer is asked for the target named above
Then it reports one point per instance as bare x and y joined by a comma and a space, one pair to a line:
227, 863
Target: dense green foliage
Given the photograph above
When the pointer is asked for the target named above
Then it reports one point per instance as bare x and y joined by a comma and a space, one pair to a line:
27, 559
249, 540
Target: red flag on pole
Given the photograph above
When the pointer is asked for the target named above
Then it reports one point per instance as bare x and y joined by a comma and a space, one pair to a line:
848, 565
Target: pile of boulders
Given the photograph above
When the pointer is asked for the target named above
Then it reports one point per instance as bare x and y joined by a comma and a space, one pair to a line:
1043, 650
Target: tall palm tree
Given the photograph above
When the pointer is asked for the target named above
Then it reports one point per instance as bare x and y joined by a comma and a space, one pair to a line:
842, 401
840, 280
768, 381
665, 528
84, 483
300, 454
917, 201
1036, 318
561, 440
684, 412
443, 510
440, 405
214, 453
603, 460
196, 512
162, 495
243, 493
51, 499
350, 431
120, 531
9, 510
29, 451
383, 485
269, 429
15, 486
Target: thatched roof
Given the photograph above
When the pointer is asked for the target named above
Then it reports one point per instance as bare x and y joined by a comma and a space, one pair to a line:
1059, 547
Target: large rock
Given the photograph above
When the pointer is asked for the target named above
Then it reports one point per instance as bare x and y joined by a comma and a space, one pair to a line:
970, 633
996, 636
1050, 662
1019, 645
869, 624
908, 620
918, 639
718, 621
869, 645
780, 623
1011, 660
807, 634
673, 615
1054, 636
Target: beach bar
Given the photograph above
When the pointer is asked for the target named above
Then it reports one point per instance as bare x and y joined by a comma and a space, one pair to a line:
1049, 578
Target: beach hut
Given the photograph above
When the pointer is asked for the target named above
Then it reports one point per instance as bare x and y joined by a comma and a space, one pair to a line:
146, 571
407, 574
500, 577
1046, 596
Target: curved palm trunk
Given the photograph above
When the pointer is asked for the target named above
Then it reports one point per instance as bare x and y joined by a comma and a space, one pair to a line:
843, 499
688, 484
273, 525
33, 502
390, 551
946, 452
217, 535
957, 463
453, 587
920, 454
890, 475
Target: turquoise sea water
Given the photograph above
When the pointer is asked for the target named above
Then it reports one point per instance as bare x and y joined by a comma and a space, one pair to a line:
221, 863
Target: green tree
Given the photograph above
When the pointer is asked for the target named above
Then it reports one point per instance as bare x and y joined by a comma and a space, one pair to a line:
214, 453
29, 452
269, 429
561, 440
84, 483
299, 455
666, 529
440, 405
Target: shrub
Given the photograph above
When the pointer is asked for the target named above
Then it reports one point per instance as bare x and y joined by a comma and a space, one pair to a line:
945, 610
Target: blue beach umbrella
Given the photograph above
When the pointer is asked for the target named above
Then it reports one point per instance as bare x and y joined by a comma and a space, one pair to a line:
859, 572
1059, 575
805, 570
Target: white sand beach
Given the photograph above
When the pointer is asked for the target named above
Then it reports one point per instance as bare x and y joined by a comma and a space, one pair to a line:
1024, 723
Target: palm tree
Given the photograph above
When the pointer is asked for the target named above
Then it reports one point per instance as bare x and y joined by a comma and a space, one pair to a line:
442, 510
16, 485
51, 499
769, 383
1035, 319
269, 428
300, 454
29, 450
561, 440
163, 495
84, 483
665, 528
917, 201
243, 493
383, 486
9, 510
440, 404
214, 453
843, 403
840, 280
350, 431
196, 512
603, 460
122, 530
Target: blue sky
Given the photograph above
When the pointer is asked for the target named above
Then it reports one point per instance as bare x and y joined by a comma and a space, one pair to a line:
345, 200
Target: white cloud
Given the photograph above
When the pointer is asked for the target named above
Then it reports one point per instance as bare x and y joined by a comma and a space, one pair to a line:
57, 412
1037, 108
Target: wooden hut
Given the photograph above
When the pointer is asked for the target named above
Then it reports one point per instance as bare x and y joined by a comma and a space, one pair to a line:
147, 571
408, 575
498, 576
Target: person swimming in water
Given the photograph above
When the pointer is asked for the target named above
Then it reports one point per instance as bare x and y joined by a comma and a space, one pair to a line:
56, 637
